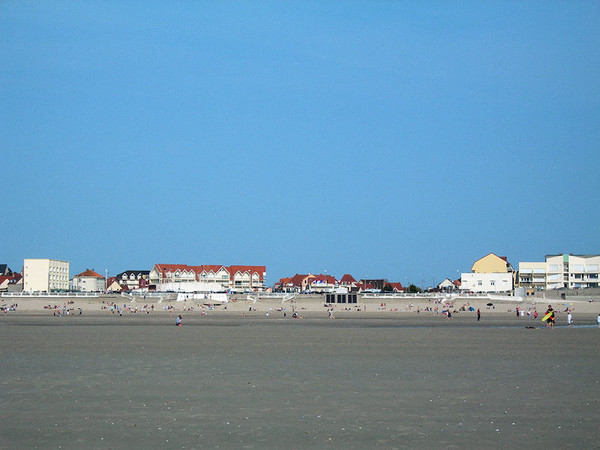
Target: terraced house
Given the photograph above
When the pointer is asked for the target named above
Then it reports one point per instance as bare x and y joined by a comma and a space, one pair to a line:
207, 278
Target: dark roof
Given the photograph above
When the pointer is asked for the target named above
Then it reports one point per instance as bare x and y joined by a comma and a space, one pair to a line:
4, 270
135, 272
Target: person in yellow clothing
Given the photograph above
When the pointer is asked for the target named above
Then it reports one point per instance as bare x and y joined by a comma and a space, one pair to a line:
550, 321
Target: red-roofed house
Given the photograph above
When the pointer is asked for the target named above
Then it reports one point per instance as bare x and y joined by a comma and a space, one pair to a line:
297, 283
349, 282
323, 283
4, 280
11, 283
181, 277
112, 285
396, 287
362, 286
245, 278
89, 281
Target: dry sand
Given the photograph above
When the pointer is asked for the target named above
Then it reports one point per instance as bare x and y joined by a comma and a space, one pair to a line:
239, 379
308, 304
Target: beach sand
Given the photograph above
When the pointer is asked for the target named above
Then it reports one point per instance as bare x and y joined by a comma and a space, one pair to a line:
369, 379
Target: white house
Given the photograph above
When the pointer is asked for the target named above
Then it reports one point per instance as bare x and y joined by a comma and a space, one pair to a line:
447, 285
89, 281
486, 282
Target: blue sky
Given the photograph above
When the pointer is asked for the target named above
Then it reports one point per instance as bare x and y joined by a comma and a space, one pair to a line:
401, 140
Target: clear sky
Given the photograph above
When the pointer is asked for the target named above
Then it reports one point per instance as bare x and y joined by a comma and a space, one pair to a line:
398, 140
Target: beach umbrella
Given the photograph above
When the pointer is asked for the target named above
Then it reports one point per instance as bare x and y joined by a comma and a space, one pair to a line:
490, 304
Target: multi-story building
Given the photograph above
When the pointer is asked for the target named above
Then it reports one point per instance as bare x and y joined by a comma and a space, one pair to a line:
133, 279
492, 273
323, 283
532, 275
89, 281
181, 277
492, 263
486, 282
45, 275
349, 282
561, 271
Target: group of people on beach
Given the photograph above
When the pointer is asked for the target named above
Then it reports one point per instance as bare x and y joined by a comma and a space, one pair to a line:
550, 317
7, 308
58, 311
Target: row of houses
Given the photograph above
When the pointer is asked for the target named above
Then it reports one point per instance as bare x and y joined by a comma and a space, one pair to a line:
327, 283
491, 273
46, 275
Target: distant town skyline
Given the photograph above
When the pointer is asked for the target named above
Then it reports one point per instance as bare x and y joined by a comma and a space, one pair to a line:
385, 140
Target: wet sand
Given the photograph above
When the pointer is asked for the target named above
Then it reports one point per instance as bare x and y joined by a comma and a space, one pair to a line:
360, 381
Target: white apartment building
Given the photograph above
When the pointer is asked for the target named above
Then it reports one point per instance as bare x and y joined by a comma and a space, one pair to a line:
486, 282
45, 275
561, 271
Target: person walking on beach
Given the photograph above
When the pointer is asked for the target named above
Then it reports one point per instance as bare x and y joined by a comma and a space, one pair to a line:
178, 320
569, 318
598, 320
478, 314
550, 321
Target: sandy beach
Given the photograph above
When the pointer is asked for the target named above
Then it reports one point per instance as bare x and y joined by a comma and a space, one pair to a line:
308, 304
234, 378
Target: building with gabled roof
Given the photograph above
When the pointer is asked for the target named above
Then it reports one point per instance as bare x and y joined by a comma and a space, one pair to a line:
349, 282
491, 273
112, 285
245, 278
297, 283
5, 270
134, 279
447, 285
11, 283
323, 283
181, 277
492, 263
396, 287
